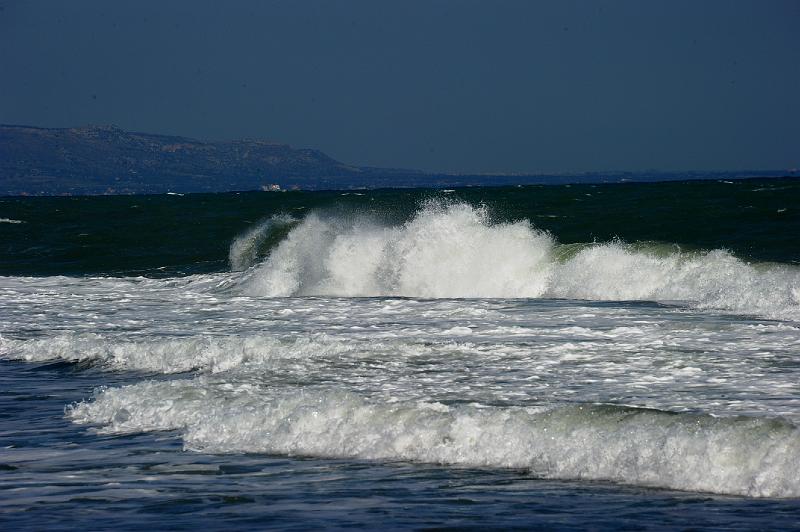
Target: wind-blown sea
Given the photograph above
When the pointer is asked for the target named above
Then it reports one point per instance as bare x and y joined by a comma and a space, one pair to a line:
601, 356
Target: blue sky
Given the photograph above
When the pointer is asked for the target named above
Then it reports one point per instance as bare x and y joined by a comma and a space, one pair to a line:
461, 86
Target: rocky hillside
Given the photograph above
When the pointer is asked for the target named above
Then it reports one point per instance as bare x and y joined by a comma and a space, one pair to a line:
106, 159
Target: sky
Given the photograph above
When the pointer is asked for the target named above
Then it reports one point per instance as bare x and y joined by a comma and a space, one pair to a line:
447, 86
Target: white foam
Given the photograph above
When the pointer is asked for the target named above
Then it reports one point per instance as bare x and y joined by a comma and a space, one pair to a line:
446, 251
743, 456
456, 251
10, 221
486, 350
169, 355
713, 280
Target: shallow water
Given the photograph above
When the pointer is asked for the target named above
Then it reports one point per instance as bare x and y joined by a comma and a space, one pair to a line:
58, 475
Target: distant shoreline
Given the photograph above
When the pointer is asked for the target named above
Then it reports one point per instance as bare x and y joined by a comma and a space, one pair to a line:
106, 160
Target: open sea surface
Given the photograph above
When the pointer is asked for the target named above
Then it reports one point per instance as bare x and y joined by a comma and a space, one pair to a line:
563, 357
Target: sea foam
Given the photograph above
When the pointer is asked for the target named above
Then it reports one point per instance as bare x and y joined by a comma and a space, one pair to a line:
161, 355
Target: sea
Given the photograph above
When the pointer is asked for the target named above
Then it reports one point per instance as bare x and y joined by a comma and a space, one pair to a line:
595, 356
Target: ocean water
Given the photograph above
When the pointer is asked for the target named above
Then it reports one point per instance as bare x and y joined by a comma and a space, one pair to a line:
568, 357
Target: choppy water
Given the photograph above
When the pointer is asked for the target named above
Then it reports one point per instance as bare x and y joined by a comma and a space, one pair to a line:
404, 358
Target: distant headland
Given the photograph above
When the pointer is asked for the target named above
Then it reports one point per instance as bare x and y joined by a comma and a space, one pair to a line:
108, 160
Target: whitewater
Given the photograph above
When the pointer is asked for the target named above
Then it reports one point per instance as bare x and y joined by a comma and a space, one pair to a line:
457, 251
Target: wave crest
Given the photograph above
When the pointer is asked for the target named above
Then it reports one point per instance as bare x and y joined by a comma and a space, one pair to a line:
457, 251
756, 457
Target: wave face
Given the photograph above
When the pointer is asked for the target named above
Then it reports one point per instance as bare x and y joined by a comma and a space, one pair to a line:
738, 456
251, 246
457, 251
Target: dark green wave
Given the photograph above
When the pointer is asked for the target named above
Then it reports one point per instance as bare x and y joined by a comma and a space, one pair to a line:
162, 235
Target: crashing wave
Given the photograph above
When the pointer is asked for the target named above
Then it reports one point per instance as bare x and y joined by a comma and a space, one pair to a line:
457, 251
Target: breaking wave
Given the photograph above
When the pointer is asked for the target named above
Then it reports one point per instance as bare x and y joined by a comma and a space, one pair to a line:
749, 456
458, 251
